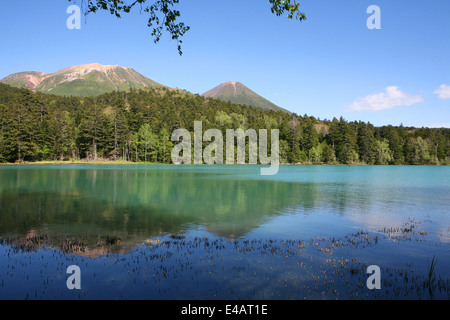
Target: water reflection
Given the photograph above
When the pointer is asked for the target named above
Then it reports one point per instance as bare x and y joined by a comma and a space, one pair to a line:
84, 209
100, 209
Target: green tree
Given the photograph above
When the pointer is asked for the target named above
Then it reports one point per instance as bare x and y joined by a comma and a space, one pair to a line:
165, 146
410, 151
135, 144
342, 136
327, 154
395, 138
422, 151
293, 132
223, 120
310, 137
147, 140
71, 133
366, 142
20, 127
284, 151
93, 131
118, 128
315, 155
384, 155
3, 109
137, 125
58, 131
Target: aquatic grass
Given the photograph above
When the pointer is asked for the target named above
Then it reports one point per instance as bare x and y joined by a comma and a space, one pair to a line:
432, 270
430, 282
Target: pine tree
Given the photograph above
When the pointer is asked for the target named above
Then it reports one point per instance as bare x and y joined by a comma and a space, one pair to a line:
366, 143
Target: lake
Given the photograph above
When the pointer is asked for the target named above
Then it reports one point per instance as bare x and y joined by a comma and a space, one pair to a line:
224, 231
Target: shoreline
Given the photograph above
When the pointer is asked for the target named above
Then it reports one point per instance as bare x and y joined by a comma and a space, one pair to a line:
100, 162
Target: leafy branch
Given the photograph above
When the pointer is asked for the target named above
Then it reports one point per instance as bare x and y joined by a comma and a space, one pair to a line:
163, 17
292, 8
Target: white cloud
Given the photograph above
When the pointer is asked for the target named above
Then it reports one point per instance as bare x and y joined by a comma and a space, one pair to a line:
443, 92
390, 98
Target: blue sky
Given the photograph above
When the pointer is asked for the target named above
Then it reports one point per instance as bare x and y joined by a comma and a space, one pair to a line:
330, 65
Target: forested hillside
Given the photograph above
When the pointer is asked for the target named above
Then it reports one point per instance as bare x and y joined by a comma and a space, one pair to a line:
137, 126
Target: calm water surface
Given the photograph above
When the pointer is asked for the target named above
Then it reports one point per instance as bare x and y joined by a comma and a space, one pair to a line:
224, 232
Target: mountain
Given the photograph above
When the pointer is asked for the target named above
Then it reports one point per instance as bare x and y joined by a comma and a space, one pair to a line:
236, 92
95, 79
84, 80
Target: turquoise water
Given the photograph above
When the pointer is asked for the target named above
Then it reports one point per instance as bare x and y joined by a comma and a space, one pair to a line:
223, 232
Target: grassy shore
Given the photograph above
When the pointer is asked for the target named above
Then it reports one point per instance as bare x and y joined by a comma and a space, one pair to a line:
100, 162
71, 162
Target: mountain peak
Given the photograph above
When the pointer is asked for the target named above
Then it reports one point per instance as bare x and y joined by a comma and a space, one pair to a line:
231, 83
91, 67
84, 80
236, 92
